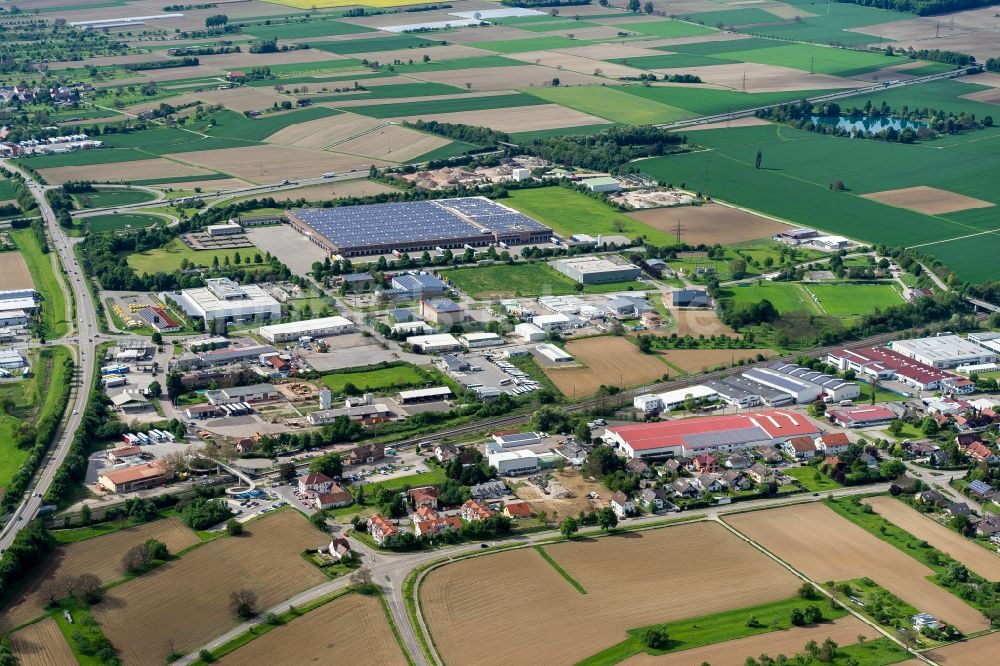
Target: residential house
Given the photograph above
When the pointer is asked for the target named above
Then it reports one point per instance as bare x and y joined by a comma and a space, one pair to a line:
833, 462
709, 483
685, 488
622, 505
381, 529
799, 447
738, 461
938, 458
988, 526
428, 522
473, 511
445, 453
980, 489
958, 509
333, 498
735, 481
489, 490
339, 549
966, 438
245, 445
314, 483
760, 473
769, 454
365, 454
517, 510
981, 453
833, 443
932, 497
652, 499
706, 463
424, 497
673, 466
637, 466
922, 448
869, 460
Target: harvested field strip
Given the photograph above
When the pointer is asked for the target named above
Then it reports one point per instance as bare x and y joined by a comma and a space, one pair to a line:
562, 572
351, 629
825, 546
610, 361
41, 644
626, 588
984, 562
429, 108
100, 556
14, 273
266, 560
718, 628
700, 360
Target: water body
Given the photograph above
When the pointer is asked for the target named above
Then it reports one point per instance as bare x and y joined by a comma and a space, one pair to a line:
868, 123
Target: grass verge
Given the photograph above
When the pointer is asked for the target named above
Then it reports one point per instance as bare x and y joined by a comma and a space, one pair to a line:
562, 572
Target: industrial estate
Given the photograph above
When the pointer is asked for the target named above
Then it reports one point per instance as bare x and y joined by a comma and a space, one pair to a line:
500, 332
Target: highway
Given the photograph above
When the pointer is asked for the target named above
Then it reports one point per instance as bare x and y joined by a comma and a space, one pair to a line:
83, 343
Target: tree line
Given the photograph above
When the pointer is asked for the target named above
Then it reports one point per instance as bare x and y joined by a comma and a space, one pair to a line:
922, 7
161, 64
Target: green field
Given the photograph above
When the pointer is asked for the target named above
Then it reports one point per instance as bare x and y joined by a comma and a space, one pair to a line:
400, 376
801, 165
558, 131
475, 62
115, 222
710, 101
785, 296
28, 401
807, 476
375, 44
818, 59
433, 107
54, 318
453, 149
671, 61
569, 212
854, 300
104, 198
665, 28
167, 259
416, 89
6, 189
734, 17
304, 29
612, 104
711, 629
86, 157
483, 282
543, 43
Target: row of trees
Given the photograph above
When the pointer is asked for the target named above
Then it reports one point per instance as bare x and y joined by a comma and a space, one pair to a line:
922, 7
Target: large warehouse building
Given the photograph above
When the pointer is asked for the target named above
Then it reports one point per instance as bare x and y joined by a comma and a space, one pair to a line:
943, 351
414, 226
690, 437
221, 298
313, 328
596, 270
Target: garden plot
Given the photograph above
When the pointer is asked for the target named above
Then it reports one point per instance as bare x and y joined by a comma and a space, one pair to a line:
711, 223
928, 200
126, 171
41, 644
978, 559
612, 361
185, 603
14, 273
518, 119
349, 630
269, 164
101, 556
626, 582
767, 78
824, 546
505, 78
843, 631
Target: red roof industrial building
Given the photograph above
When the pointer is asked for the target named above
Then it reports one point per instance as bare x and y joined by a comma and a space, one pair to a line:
689, 437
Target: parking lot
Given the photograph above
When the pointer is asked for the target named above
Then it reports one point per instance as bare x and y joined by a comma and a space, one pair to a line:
346, 351
245, 509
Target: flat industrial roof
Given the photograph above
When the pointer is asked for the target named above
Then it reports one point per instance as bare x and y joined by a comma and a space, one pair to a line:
940, 348
307, 325
696, 432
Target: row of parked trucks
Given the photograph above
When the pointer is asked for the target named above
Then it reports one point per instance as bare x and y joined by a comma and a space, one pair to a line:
147, 438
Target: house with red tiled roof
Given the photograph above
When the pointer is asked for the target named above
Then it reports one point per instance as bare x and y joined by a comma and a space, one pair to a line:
979, 452
381, 529
424, 497
427, 522
800, 447
833, 443
517, 510
473, 511
706, 463
333, 498
314, 483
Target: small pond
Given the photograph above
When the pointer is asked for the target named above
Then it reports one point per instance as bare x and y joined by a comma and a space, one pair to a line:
868, 123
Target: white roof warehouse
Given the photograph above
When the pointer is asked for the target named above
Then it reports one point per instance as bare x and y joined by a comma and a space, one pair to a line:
315, 328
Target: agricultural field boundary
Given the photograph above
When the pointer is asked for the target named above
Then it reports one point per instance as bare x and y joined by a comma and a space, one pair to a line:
45, 275
562, 572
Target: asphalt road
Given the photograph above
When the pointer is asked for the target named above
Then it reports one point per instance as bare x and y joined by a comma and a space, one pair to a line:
83, 342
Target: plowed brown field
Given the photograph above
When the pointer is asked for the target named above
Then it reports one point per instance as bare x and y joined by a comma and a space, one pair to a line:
41, 644
348, 630
100, 556
980, 651
982, 561
697, 360
184, 604
824, 546
631, 581
711, 223
14, 273
610, 360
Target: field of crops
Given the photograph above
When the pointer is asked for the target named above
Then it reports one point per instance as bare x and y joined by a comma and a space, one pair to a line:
612, 104
504, 280
399, 376
103, 198
848, 301
115, 222
169, 257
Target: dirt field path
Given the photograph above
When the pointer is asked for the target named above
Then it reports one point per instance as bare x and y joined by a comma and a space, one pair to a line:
824, 546
844, 631
42, 644
972, 555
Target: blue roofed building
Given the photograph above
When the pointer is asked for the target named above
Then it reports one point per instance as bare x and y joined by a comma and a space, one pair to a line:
418, 285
